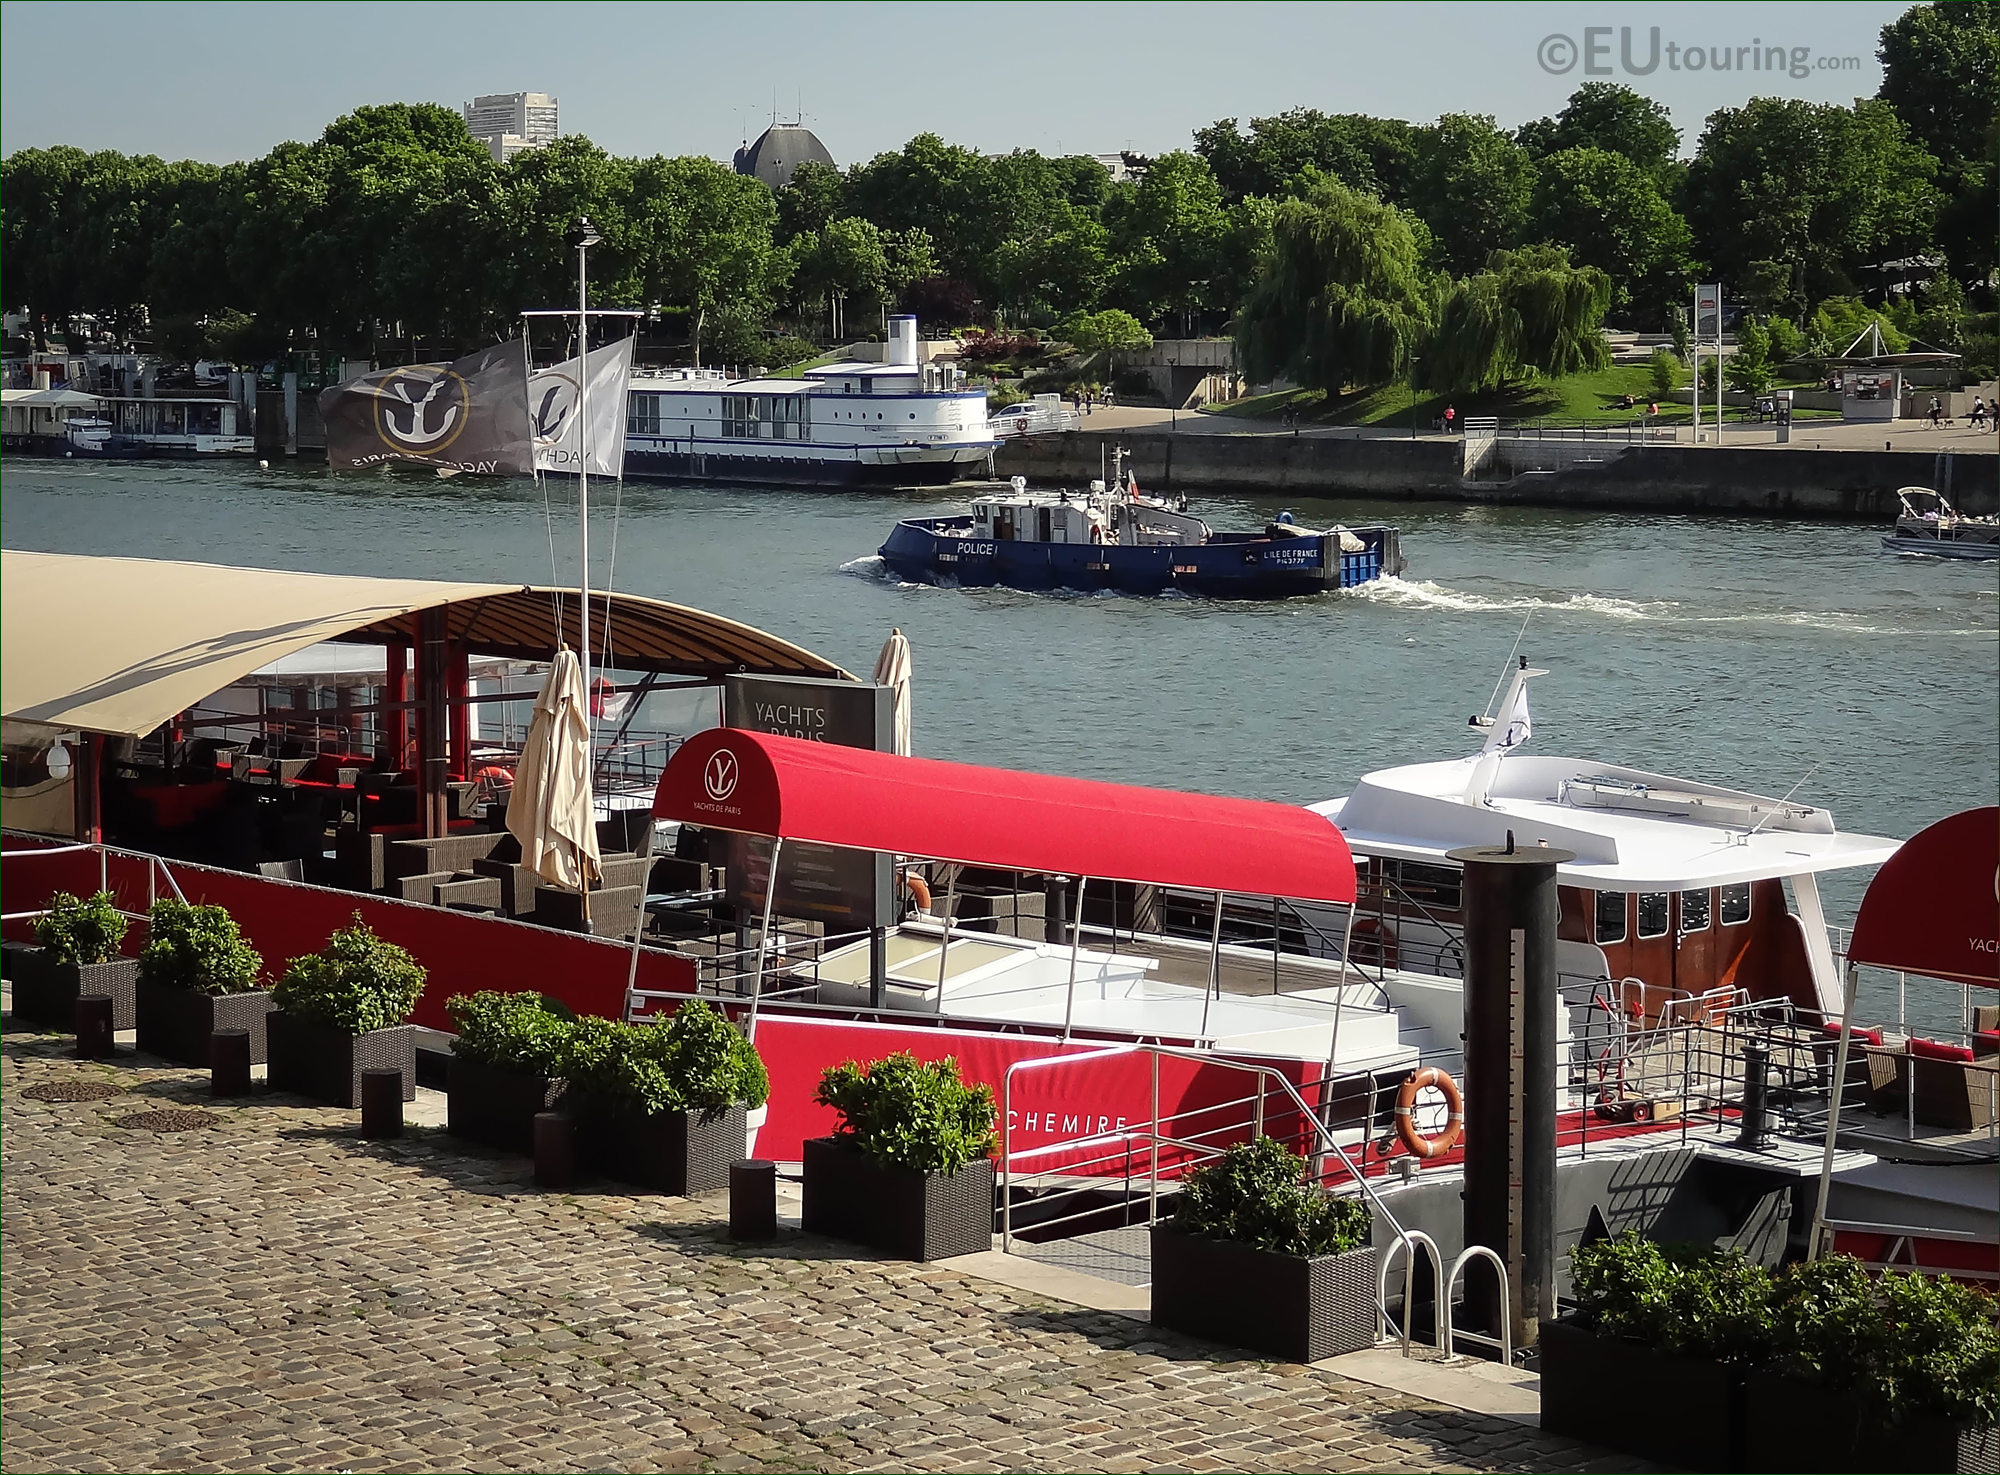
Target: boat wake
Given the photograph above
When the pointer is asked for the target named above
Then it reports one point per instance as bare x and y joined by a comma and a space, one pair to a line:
876, 570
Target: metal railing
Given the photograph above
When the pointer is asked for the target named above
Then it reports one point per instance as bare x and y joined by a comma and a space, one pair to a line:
156, 870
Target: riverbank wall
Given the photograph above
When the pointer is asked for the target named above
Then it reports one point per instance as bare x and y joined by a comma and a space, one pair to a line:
1768, 481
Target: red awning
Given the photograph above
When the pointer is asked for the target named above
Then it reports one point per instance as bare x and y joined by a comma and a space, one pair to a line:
1933, 908
728, 779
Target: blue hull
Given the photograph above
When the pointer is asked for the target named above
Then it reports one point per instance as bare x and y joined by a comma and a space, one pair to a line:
1232, 566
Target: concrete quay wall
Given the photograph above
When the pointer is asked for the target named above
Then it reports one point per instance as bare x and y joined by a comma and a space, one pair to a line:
1727, 480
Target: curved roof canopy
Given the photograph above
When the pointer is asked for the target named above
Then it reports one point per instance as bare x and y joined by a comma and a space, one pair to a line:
729, 779
778, 152
120, 645
1933, 908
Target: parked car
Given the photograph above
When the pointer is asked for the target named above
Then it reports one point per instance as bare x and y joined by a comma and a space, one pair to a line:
1042, 415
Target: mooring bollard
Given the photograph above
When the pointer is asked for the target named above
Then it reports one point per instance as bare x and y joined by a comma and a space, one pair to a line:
1756, 1094
229, 1062
93, 1026
753, 1199
381, 1103
555, 1149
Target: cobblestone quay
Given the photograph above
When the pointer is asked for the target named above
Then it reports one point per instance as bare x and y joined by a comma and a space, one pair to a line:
267, 1291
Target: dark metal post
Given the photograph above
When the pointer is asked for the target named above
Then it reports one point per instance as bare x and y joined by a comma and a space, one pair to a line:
878, 967
86, 789
382, 1103
1756, 1086
229, 1062
93, 1027
753, 1200
1510, 1074
432, 758
555, 1149
1055, 908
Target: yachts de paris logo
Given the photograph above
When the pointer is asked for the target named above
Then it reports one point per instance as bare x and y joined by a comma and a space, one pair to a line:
471, 415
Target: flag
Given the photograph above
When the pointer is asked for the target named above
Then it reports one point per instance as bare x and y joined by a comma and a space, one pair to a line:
1513, 728
471, 415
552, 403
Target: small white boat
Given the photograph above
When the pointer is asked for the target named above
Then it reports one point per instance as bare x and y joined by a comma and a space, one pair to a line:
1931, 526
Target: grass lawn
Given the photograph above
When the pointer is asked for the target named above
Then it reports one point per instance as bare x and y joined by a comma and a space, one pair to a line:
1580, 399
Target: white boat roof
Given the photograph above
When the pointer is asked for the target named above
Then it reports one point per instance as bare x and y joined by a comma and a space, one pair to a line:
863, 369
1630, 830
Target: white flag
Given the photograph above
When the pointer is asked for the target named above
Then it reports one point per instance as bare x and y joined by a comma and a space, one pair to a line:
552, 405
1514, 728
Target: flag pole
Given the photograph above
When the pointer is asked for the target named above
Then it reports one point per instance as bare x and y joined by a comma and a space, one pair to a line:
586, 237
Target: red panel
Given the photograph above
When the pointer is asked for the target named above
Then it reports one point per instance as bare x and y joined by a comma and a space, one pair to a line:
463, 952
1933, 908
766, 785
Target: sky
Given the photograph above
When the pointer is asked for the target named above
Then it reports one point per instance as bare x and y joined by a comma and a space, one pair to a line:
216, 81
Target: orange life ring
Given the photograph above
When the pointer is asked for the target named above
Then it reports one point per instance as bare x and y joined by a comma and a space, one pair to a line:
1406, 1102
1380, 935
919, 889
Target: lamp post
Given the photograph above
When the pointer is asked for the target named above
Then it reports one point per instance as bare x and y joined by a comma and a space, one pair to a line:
585, 236
1173, 393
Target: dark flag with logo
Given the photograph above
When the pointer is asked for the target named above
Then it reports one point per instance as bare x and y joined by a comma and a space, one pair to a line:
471, 415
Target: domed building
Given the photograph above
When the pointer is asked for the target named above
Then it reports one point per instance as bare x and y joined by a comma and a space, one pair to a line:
779, 151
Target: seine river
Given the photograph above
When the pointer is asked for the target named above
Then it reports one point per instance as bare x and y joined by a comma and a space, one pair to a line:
1755, 653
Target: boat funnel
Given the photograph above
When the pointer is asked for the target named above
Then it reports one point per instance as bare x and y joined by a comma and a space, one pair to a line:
903, 341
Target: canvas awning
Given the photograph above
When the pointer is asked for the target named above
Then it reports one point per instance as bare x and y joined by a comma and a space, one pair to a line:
1934, 907
120, 645
759, 784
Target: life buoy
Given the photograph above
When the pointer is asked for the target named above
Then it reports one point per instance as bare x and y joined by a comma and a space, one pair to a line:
1406, 1103
919, 889
1379, 936
492, 779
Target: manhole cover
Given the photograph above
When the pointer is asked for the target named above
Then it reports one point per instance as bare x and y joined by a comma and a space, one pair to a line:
73, 1091
168, 1120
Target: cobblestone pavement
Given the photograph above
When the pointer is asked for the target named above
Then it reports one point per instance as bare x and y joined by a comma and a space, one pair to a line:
274, 1293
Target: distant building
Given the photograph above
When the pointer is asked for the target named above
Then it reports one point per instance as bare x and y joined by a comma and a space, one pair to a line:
1123, 167
778, 152
511, 121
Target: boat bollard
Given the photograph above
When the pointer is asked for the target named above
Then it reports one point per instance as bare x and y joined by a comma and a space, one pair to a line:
229, 1062
555, 1149
1756, 1086
753, 1200
93, 1027
382, 1103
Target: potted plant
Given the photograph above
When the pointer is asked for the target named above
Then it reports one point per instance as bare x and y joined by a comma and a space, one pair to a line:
197, 975
506, 1065
661, 1104
1256, 1257
909, 1168
77, 953
340, 1011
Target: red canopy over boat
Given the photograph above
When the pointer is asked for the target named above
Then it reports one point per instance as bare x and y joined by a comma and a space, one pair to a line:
759, 784
1933, 908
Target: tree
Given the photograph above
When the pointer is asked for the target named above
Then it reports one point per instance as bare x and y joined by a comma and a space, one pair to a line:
703, 238
1531, 313
1170, 229
1666, 372
1611, 117
1749, 368
815, 194
1471, 188
1610, 214
1110, 331
1939, 74
1339, 299
1282, 157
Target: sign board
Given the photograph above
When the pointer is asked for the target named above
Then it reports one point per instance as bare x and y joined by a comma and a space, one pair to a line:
845, 890
1707, 313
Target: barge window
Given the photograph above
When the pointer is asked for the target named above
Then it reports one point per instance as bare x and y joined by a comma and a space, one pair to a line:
1736, 904
1441, 888
1610, 916
790, 417
1652, 914
643, 415
740, 416
1694, 911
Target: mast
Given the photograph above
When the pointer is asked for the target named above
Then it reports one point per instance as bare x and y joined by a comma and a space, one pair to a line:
586, 237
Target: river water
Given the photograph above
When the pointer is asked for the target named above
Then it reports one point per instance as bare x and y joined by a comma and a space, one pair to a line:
1756, 653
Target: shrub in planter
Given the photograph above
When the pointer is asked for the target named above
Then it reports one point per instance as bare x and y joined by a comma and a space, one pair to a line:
197, 975
664, 1102
340, 1011
505, 1066
77, 954
909, 1168
1257, 1257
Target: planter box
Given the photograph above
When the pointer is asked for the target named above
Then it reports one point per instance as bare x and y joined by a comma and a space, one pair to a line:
673, 1152
45, 991
324, 1063
1301, 1308
175, 1023
1675, 1411
911, 1215
490, 1104
1796, 1425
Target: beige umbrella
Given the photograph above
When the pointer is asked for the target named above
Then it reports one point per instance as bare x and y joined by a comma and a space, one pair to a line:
550, 811
892, 669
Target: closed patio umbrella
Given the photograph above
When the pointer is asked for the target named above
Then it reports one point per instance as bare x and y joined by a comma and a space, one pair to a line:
550, 811
892, 669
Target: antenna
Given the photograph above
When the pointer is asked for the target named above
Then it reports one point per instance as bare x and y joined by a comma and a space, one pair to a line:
1506, 666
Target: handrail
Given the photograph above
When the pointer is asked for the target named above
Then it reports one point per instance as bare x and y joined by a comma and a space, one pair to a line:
1505, 1341
1406, 1240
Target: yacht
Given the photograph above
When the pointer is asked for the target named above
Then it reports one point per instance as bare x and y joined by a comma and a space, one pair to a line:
896, 423
1931, 526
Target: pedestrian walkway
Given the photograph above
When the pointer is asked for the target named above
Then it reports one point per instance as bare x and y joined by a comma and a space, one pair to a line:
270, 1292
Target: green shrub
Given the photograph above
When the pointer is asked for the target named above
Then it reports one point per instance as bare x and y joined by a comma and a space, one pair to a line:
911, 1115
1256, 1194
357, 982
79, 932
199, 948
695, 1061
1904, 1344
514, 1031
1666, 371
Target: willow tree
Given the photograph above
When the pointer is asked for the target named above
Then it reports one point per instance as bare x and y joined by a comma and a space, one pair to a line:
1339, 299
1530, 314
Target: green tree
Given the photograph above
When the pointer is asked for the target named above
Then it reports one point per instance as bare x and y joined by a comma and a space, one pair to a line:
703, 235
1283, 156
1610, 214
810, 201
1749, 369
1530, 314
1109, 331
1170, 230
1613, 118
1939, 74
1340, 298
1471, 188
1666, 371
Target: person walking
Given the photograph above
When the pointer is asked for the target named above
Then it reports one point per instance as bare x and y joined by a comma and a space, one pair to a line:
1937, 413
1450, 419
1978, 415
